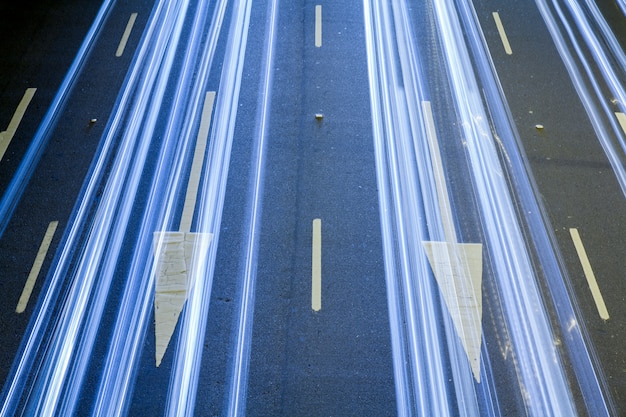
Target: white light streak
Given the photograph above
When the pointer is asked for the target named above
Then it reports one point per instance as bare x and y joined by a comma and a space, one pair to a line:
184, 382
241, 362
610, 64
161, 210
26, 358
408, 201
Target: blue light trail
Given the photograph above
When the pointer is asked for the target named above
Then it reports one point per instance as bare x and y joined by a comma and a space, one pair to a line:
590, 51
106, 261
409, 215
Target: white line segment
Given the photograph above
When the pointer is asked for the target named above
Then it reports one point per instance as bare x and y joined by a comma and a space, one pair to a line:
621, 118
318, 26
196, 166
316, 266
440, 179
505, 39
36, 268
591, 278
7, 135
126, 35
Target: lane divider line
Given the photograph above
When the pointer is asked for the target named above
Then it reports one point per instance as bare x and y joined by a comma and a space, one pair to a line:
505, 39
36, 268
126, 35
197, 162
318, 26
316, 266
7, 135
621, 118
591, 278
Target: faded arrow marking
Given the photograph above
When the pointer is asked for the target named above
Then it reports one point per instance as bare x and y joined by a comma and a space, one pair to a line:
174, 252
457, 266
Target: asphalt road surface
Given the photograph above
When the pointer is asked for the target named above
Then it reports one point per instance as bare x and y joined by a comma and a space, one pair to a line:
413, 208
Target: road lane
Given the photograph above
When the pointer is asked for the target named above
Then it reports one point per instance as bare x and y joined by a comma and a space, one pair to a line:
573, 175
57, 179
335, 361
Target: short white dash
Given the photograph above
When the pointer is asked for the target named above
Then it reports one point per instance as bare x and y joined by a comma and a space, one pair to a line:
196, 164
318, 26
36, 268
591, 278
7, 135
126, 35
505, 39
316, 266
621, 118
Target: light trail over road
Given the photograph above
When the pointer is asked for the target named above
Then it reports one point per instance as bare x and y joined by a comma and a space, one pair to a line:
525, 317
15, 190
594, 38
310, 208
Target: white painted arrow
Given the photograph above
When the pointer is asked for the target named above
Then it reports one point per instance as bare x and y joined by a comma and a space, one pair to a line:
175, 251
457, 267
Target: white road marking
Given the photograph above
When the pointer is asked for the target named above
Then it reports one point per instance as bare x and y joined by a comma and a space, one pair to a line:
316, 266
126, 35
457, 267
36, 268
196, 166
176, 251
621, 118
505, 39
591, 278
318, 26
7, 135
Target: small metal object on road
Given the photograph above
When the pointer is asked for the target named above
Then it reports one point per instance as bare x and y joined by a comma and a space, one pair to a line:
92, 121
539, 127
319, 116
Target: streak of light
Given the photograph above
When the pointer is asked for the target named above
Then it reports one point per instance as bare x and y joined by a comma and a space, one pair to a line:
241, 362
418, 366
60, 379
610, 64
185, 376
543, 384
16, 188
62, 363
581, 354
136, 306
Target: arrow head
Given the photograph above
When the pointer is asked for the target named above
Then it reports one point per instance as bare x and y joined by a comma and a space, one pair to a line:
458, 269
174, 255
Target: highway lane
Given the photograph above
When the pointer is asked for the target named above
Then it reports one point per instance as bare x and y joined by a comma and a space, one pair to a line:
319, 205
335, 361
574, 177
39, 51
